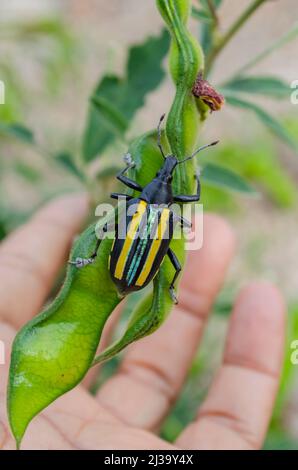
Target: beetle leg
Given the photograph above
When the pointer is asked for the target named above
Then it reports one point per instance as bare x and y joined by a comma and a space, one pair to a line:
175, 262
82, 262
124, 179
193, 198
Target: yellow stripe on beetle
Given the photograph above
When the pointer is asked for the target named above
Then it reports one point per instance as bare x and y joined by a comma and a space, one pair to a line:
156, 243
130, 237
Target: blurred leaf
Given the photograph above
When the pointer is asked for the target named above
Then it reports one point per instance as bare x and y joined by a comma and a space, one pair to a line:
208, 27
67, 161
2, 230
23, 30
9, 219
51, 44
112, 117
259, 164
108, 172
29, 173
144, 70
97, 135
206, 38
270, 86
220, 176
287, 37
118, 99
11, 111
224, 302
17, 131
216, 4
273, 124
107, 371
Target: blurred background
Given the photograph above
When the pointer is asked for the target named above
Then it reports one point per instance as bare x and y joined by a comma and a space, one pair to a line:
56, 54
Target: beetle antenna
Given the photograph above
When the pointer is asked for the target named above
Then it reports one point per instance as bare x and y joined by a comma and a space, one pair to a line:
199, 150
159, 130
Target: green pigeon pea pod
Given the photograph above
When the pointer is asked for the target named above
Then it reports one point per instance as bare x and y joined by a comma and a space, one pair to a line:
53, 352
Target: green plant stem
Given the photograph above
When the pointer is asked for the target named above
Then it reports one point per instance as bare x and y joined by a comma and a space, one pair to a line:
225, 39
213, 12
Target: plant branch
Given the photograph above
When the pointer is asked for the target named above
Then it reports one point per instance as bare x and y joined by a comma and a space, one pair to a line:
225, 39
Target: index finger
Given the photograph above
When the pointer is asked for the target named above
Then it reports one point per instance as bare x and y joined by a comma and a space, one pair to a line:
32, 255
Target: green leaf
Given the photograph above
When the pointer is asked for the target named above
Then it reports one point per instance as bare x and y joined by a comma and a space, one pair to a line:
273, 124
17, 131
111, 116
108, 172
3, 231
220, 176
67, 161
216, 4
269, 86
257, 162
30, 29
118, 99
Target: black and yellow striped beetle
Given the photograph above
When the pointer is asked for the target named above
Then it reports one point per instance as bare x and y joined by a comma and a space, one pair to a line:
136, 257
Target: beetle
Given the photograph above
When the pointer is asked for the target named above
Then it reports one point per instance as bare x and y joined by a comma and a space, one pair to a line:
136, 257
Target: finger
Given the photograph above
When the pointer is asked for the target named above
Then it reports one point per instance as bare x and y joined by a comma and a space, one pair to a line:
154, 369
31, 257
238, 408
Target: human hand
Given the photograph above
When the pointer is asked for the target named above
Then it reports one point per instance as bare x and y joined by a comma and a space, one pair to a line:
129, 408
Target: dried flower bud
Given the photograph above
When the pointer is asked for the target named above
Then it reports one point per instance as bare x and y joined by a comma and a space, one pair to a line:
203, 90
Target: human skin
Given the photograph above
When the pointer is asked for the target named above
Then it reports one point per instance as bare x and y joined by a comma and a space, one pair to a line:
129, 408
